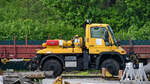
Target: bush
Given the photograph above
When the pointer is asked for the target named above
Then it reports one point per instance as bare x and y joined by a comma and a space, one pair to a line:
65, 18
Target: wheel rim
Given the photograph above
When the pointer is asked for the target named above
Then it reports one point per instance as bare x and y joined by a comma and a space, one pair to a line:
53, 68
52, 65
111, 68
111, 65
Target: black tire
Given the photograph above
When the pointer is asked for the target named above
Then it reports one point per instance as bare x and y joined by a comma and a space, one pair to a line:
52, 65
31, 66
111, 65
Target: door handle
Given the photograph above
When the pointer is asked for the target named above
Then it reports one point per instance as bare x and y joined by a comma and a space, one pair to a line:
91, 45
87, 39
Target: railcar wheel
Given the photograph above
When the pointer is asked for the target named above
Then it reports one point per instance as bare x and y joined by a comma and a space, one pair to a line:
52, 65
111, 65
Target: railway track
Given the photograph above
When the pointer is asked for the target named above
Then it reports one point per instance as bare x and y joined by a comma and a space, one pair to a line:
29, 77
17, 80
42, 74
90, 77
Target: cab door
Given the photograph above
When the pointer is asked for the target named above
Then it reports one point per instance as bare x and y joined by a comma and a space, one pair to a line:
97, 39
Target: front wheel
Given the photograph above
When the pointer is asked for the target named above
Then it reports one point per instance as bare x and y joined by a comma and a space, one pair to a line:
111, 65
52, 65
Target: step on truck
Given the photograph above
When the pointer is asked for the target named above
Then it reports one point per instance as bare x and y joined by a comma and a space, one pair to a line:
98, 49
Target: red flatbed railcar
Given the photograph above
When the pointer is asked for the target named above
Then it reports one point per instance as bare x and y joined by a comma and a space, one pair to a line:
18, 51
143, 51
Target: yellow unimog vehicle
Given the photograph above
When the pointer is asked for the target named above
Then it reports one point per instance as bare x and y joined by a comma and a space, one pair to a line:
97, 49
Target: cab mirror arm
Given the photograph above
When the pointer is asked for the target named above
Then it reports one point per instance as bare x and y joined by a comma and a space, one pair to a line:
110, 44
118, 42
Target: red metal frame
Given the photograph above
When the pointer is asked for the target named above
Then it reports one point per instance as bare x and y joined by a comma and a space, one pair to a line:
142, 50
18, 51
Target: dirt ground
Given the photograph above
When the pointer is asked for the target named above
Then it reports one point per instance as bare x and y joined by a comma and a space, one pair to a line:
92, 81
83, 81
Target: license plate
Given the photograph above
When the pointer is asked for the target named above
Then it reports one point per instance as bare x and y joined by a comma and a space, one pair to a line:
71, 64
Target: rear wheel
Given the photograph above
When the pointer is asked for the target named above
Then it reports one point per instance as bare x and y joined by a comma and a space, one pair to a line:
111, 65
52, 65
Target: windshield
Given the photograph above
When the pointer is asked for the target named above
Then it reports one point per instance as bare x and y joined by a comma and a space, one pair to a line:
112, 34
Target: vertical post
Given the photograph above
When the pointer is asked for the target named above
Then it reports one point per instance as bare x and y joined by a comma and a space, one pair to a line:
26, 40
120, 74
15, 46
131, 41
5, 52
26, 45
61, 36
48, 36
104, 72
131, 45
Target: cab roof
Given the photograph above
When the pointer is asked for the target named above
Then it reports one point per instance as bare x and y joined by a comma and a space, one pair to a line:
96, 24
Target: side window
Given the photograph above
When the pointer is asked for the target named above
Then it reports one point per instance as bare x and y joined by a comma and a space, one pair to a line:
98, 32
95, 32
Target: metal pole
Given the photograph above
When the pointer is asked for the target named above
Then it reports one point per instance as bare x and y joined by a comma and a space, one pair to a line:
26, 40
15, 46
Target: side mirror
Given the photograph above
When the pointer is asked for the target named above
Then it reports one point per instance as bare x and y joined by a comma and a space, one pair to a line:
118, 42
106, 38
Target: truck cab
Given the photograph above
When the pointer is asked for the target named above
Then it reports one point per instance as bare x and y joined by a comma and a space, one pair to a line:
100, 38
98, 49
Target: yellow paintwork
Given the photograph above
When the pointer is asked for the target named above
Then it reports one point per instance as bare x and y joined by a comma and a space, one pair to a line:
97, 49
26, 60
5, 60
108, 74
59, 50
68, 43
58, 80
90, 44
44, 45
